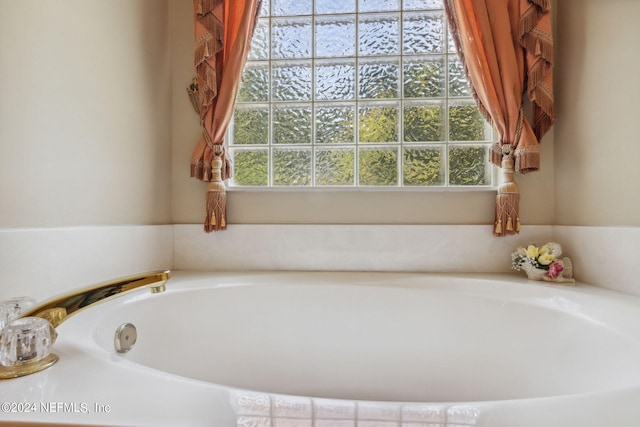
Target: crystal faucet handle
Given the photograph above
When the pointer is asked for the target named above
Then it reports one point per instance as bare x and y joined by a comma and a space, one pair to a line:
12, 308
28, 339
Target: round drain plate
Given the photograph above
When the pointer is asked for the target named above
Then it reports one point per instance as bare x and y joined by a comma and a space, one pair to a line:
126, 336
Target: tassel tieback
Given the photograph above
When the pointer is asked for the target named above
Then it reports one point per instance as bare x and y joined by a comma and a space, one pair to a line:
216, 217
507, 218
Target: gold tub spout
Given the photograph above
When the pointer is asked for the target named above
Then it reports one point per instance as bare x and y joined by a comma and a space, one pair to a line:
60, 308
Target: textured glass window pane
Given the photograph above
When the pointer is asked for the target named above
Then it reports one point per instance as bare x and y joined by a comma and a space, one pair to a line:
468, 165
336, 36
254, 86
291, 38
423, 166
423, 33
335, 85
335, 79
378, 34
251, 167
335, 6
292, 81
458, 83
260, 41
378, 78
335, 124
423, 78
423, 4
466, 123
423, 122
451, 45
378, 123
291, 7
335, 166
251, 125
377, 5
265, 10
291, 166
292, 125
378, 166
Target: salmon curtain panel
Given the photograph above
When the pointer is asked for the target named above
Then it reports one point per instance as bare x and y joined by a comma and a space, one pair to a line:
223, 31
507, 49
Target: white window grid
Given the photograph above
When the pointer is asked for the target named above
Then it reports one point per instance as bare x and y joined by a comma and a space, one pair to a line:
448, 54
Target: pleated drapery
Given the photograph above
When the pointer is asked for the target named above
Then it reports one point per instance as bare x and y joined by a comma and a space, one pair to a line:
223, 31
507, 50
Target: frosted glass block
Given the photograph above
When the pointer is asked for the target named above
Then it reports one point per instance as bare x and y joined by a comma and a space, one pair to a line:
423, 4
334, 409
292, 124
458, 83
265, 10
378, 411
335, 166
423, 33
378, 166
251, 421
291, 7
250, 403
424, 412
378, 78
291, 422
335, 124
335, 6
292, 166
378, 5
379, 34
260, 41
335, 36
423, 78
378, 123
423, 165
423, 122
250, 125
466, 123
335, 79
468, 165
451, 45
291, 38
251, 167
254, 86
291, 81
292, 407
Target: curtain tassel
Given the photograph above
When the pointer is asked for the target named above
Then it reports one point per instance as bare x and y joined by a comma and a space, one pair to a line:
507, 219
216, 218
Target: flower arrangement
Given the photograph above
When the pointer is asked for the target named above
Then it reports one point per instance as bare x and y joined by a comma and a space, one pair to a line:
543, 263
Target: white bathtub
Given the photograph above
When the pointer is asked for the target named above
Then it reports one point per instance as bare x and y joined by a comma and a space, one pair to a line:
347, 349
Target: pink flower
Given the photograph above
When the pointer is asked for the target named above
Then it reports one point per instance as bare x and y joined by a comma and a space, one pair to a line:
555, 269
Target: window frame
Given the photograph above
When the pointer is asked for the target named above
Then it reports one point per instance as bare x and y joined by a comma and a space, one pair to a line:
356, 101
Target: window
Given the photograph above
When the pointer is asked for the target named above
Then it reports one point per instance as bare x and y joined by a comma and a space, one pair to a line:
356, 93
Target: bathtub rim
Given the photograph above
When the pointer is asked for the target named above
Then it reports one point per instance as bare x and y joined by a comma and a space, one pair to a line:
108, 369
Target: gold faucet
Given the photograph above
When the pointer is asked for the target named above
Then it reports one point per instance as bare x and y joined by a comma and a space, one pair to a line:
61, 308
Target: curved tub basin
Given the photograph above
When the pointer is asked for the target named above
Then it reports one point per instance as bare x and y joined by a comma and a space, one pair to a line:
417, 348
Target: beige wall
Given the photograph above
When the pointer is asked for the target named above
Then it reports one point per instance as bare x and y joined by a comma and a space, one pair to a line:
92, 120
84, 112
597, 135
410, 207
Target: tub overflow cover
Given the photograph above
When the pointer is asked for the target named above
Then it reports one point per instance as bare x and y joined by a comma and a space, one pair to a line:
126, 336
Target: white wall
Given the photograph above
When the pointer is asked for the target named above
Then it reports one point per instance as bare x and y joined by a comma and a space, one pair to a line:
597, 135
84, 112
